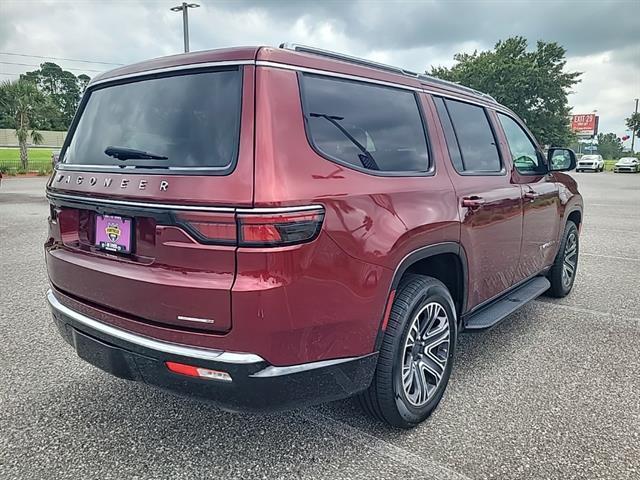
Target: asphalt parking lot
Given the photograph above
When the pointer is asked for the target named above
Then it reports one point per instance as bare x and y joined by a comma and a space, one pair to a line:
553, 392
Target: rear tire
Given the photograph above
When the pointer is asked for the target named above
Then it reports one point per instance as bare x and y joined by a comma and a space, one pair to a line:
416, 356
563, 272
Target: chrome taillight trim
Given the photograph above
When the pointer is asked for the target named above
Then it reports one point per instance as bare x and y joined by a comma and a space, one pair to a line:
171, 206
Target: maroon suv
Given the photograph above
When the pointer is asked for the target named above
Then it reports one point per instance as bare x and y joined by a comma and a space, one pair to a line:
273, 227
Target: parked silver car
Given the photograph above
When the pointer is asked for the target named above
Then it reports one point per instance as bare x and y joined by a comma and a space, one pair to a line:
627, 164
590, 162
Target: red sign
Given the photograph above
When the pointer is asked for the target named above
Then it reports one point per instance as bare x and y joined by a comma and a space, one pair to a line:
585, 124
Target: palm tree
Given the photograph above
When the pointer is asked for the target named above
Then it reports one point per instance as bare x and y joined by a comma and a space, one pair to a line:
633, 124
21, 100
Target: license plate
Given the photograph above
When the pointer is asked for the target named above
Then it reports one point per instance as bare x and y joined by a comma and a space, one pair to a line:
113, 233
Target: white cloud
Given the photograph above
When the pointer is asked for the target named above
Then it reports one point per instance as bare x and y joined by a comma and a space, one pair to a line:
413, 35
607, 86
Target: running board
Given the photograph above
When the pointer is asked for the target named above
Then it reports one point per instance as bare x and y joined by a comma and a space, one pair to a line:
491, 315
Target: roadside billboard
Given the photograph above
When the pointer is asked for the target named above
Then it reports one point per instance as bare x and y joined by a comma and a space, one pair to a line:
585, 125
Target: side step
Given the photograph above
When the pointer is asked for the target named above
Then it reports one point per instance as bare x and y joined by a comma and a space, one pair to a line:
495, 312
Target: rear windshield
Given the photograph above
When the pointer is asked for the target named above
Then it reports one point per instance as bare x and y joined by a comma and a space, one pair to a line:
192, 119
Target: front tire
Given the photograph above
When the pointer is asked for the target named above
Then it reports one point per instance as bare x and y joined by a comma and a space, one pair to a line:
563, 272
416, 356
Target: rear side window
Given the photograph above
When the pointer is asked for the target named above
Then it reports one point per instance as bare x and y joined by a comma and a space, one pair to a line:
467, 129
192, 119
363, 125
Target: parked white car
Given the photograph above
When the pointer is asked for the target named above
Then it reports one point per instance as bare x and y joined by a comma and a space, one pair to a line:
627, 164
590, 162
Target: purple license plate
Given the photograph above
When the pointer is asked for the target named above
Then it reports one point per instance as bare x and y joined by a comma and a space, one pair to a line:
113, 233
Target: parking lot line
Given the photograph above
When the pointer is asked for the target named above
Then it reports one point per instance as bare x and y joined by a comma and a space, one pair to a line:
431, 469
608, 205
635, 321
612, 257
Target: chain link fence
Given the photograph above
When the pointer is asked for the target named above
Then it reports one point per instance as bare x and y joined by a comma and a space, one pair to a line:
39, 155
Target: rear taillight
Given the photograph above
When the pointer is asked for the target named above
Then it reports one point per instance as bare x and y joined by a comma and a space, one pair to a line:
53, 214
259, 228
217, 228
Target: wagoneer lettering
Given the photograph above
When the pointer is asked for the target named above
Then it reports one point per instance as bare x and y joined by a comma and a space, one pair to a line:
332, 225
141, 184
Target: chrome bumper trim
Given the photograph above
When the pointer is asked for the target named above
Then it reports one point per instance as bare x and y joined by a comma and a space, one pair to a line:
272, 371
157, 345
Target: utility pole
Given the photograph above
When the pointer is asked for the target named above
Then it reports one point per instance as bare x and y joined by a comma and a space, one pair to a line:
633, 132
595, 112
185, 20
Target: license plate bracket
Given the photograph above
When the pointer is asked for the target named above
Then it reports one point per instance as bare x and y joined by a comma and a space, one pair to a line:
114, 233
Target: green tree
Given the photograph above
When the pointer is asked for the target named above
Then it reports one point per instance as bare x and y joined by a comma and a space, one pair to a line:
83, 81
609, 146
21, 100
62, 90
531, 83
633, 124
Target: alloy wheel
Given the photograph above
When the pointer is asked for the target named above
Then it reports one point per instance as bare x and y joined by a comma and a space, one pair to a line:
426, 352
570, 259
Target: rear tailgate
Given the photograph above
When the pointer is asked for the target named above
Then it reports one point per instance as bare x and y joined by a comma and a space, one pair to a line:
168, 271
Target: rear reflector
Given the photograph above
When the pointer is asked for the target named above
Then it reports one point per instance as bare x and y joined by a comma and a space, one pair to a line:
191, 371
248, 229
387, 311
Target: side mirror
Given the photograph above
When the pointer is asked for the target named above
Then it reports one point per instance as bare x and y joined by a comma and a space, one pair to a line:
561, 159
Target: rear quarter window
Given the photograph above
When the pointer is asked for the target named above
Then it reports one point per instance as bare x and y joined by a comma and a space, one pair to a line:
192, 118
365, 126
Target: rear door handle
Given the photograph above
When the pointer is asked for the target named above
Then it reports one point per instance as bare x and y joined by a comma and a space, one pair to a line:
472, 202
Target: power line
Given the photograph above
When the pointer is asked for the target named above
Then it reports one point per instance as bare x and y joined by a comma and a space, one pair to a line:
59, 58
33, 65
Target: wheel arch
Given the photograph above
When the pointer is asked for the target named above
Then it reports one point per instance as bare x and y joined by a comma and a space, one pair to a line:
445, 261
575, 216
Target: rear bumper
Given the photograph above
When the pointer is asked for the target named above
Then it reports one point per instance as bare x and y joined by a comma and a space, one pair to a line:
255, 384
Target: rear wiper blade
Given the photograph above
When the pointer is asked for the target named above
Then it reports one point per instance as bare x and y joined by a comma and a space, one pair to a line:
123, 153
366, 158
147, 163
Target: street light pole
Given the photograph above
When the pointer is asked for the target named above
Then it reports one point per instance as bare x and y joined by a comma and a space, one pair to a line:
184, 8
633, 132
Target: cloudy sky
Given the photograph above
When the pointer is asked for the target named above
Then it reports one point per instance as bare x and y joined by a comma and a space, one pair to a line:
602, 37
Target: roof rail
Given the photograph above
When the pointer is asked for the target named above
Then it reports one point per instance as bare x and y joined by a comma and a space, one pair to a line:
347, 58
447, 83
380, 66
